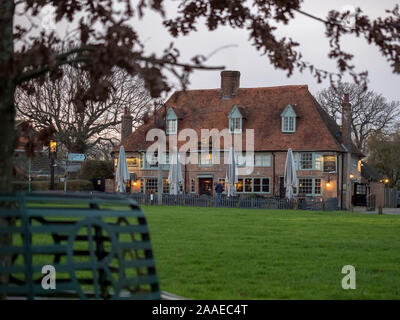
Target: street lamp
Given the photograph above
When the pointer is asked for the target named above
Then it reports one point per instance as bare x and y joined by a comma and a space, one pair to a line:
52, 155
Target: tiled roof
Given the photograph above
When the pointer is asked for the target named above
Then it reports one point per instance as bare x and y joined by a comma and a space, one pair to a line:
204, 109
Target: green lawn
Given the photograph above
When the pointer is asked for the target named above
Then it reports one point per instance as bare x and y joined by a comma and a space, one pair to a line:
218, 253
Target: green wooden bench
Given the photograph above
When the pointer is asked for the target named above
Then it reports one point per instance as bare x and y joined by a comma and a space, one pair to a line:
99, 246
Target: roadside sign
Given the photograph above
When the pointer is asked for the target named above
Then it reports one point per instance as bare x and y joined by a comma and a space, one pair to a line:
76, 157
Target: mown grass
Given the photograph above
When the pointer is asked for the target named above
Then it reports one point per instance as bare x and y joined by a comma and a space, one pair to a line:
219, 253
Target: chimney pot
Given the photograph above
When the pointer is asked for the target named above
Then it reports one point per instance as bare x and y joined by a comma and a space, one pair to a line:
126, 125
346, 122
230, 83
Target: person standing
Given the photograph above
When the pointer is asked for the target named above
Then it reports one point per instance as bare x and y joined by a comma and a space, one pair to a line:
218, 192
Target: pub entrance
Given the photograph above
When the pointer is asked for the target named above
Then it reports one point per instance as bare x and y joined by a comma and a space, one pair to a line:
206, 186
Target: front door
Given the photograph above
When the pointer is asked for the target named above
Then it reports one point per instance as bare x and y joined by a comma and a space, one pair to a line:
206, 186
360, 195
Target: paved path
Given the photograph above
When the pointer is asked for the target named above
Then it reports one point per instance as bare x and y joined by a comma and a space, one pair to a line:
384, 210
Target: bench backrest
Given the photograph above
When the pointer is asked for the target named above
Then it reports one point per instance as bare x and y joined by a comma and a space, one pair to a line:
98, 245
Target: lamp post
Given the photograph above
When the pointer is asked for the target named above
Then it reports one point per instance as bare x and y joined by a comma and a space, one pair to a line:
52, 155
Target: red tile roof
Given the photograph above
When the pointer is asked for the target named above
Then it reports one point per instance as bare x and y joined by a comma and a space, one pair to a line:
204, 109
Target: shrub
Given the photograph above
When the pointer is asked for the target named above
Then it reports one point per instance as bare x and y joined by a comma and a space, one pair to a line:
76, 185
93, 169
72, 185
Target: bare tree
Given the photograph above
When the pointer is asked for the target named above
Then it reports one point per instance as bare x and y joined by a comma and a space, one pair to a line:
82, 125
371, 112
105, 39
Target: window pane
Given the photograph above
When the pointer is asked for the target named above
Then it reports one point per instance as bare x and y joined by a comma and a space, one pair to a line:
361, 189
265, 185
239, 187
291, 124
248, 184
305, 186
257, 185
306, 160
205, 158
317, 186
151, 185
171, 126
165, 186
262, 159
192, 186
285, 124
142, 185
234, 124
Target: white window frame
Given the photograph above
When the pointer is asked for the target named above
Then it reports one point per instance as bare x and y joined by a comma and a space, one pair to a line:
317, 161
313, 184
171, 122
172, 126
234, 118
266, 156
209, 162
232, 125
252, 185
288, 120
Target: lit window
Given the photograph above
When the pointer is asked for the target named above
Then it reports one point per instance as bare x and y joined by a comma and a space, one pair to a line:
310, 186
248, 185
305, 186
165, 186
239, 186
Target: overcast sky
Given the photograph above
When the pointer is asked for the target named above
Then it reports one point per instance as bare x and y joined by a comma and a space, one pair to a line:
256, 70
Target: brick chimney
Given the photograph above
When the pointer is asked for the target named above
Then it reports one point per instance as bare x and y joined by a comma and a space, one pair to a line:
126, 125
230, 83
346, 121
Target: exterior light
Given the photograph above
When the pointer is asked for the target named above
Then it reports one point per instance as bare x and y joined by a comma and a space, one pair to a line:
53, 146
386, 180
351, 176
328, 183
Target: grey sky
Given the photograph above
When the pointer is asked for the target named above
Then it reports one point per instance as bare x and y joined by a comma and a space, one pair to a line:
256, 70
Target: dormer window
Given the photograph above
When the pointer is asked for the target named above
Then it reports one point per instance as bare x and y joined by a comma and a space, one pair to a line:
288, 119
235, 121
172, 122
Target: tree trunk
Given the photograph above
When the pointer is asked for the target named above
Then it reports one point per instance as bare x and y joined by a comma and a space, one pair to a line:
7, 114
